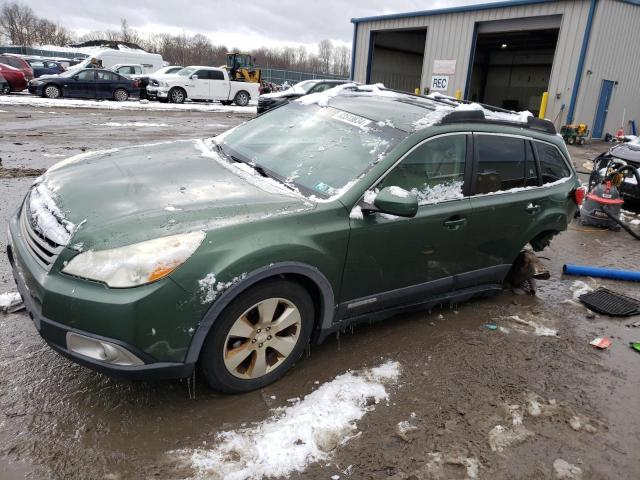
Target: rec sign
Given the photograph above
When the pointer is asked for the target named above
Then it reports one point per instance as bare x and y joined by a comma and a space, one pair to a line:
439, 82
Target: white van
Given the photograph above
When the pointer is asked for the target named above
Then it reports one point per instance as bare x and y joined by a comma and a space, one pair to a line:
150, 61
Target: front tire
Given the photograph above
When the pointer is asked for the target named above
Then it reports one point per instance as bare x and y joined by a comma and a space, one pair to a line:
242, 98
177, 95
121, 95
52, 91
258, 337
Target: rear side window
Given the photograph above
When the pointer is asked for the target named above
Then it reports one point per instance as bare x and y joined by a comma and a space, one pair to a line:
216, 75
502, 163
552, 164
109, 76
434, 171
12, 62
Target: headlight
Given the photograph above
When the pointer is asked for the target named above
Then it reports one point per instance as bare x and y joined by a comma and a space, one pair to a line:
36, 82
163, 84
136, 264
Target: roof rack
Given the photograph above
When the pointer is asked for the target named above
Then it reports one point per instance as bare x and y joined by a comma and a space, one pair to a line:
474, 116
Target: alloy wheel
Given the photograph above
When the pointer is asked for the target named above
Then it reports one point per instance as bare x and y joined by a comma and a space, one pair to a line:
262, 338
52, 92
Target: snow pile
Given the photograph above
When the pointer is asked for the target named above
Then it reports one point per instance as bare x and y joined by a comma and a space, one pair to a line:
441, 192
579, 288
299, 434
398, 192
130, 105
356, 213
210, 287
8, 299
48, 218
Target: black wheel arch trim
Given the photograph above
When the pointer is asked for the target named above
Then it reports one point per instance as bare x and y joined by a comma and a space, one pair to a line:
326, 307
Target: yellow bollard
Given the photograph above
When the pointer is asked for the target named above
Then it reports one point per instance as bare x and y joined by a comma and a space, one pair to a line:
543, 105
417, 91
459, 94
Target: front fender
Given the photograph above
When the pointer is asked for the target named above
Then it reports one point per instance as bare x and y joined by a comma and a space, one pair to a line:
327, 302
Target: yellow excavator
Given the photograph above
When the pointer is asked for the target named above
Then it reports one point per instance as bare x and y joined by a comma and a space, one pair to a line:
241, 68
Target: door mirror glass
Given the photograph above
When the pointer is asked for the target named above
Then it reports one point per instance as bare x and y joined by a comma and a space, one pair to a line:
194, 77
396, 201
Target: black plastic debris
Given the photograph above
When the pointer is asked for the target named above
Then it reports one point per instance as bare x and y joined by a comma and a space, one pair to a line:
606, 302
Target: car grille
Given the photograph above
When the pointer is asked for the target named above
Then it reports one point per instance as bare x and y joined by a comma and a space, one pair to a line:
42, 249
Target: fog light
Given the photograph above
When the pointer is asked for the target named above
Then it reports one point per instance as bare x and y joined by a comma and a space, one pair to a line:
101, 350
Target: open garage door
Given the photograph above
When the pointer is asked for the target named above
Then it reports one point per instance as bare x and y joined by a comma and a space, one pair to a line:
396, 58
512, 62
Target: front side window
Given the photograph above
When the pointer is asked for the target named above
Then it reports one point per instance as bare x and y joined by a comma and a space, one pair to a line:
86, 75
434, 171
502, 163
552, 164
202, 74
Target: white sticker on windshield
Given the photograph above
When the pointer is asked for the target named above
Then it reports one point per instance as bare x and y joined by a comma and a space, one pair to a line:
351, 119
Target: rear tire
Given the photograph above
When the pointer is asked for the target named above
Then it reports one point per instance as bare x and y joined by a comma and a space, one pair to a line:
242, 98
51, 91
258, 337
177, 95
121, 95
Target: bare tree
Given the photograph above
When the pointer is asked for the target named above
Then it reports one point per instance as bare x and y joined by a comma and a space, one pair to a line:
17, 23
325, 54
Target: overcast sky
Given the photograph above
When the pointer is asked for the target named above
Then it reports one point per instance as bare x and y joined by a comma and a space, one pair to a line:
234, 23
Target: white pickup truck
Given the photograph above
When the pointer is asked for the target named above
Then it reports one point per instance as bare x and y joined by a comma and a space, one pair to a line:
201, 83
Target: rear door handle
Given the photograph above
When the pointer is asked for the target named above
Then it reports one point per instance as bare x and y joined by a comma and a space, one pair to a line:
455, 223
532, 208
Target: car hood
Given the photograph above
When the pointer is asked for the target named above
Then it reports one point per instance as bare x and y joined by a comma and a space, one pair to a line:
123, 196
168, 76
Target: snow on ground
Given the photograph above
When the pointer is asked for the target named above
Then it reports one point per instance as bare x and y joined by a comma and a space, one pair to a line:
131, 124
296, 435
132, 105
9, 298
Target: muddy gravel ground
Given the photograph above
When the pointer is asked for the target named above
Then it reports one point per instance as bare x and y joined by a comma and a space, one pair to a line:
475, 402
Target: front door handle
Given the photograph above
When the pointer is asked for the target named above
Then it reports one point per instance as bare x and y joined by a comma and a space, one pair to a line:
532, 208
455, 223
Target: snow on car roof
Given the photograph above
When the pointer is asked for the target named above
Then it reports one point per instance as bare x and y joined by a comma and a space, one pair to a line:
401, 110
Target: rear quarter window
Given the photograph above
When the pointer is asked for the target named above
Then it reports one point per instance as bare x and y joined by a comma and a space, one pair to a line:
553, 166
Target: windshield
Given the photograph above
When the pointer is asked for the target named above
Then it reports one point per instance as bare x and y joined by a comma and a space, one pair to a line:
320, 150
185, 72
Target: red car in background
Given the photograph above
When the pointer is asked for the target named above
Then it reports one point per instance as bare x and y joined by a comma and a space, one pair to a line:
14, 77
19, 63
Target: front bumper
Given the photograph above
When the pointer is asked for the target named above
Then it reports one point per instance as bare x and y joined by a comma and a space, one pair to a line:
157, 92
57, 336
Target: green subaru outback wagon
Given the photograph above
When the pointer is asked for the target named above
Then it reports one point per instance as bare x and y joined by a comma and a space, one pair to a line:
234, 253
